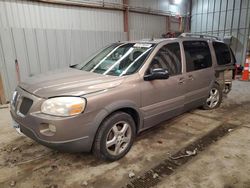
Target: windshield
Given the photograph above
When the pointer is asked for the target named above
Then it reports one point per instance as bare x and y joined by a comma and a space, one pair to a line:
118, 59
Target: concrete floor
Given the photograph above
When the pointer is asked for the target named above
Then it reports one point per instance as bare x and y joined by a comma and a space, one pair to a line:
226, 163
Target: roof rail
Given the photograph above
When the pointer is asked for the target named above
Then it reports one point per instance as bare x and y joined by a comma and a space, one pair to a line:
184, 35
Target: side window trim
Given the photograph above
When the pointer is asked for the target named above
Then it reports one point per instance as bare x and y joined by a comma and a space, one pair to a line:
210, 63
181, 57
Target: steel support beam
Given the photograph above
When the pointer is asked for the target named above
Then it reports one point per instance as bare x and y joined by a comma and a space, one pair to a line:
107, 6
225, 23
126, 18
208, 6
232, 21
246, 34
219, 17
168, 24
213, 18
238, 31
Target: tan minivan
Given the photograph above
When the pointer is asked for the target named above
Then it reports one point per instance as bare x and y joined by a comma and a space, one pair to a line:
103, 103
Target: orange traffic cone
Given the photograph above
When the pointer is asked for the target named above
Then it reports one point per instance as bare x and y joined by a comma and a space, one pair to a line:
245, 74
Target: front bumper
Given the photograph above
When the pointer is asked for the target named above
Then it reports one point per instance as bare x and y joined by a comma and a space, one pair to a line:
73, 134
76, 145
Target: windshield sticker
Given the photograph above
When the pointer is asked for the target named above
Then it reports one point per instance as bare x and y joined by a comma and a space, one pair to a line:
142, 45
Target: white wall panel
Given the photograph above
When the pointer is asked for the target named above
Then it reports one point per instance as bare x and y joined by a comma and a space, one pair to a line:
243, 17
230, 4
204, 22
217, 5
210, 22
236, 19
3, 71
193, 23
32, 53
199, 22
175, 26
216, 21
211, 5
194, 6
40, 50
28, 14
44, 36
237, 4
21, 52
229, 19
224, 5
146, 26
9, 57
205, 6
222, 21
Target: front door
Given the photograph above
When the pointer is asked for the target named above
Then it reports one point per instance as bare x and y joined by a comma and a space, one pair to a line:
162, 99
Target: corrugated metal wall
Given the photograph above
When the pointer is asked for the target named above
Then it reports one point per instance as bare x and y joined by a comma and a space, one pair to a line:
29, 14
44, 37
148, 26
223, 18
40, 50
140, 27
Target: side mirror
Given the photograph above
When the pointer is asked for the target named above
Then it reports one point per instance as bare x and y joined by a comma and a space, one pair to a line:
73, 66
157, 74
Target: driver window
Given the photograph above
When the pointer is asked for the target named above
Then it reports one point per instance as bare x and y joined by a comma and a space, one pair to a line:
169, 58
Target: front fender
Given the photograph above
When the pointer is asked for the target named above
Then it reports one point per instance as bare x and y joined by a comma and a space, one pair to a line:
119, 105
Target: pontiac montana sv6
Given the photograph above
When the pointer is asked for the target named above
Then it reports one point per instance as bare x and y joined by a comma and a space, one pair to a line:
102, 104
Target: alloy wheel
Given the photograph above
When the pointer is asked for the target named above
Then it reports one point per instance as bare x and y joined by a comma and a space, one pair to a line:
214, 97
118, 138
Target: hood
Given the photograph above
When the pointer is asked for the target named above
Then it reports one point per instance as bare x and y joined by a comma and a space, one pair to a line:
69, 81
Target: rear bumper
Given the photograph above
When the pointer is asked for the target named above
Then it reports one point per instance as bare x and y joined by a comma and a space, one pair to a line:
224, 78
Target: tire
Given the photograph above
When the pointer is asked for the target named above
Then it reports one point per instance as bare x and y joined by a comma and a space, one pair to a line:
215, 98
115, 137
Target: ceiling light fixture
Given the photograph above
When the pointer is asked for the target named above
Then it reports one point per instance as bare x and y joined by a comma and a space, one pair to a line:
177, 2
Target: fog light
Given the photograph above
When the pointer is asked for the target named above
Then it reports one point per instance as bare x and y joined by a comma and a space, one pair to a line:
47, 129
52, 128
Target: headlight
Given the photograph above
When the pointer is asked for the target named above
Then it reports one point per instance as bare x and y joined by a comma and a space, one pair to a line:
63, 106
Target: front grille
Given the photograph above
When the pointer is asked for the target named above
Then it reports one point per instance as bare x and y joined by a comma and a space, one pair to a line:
25, 105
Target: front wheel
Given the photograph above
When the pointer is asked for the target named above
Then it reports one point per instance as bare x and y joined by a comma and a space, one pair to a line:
215, 98
115, 137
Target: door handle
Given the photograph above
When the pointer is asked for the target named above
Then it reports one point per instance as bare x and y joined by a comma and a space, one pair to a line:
181, 81
190, 77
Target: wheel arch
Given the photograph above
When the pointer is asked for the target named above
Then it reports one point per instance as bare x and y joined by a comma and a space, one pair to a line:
122, 106
128, 107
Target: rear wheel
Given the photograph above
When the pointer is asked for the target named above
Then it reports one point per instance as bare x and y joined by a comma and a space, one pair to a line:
215, 98
115, 137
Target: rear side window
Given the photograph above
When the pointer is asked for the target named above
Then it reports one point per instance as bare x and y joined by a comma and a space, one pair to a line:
222, 52
197, 54
169, 58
